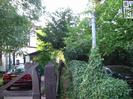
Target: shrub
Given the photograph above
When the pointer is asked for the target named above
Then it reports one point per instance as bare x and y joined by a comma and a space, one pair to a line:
104, 88
66, 86
77, 69
110, 88
77, 50
119, 56
97, 85
90, 82
78, 41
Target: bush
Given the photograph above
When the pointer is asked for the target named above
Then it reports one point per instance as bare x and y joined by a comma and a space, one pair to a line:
77, 69
110, 88
97, 85
78, 41
104, 88
66, 86
119, 57
77, 50
90, 82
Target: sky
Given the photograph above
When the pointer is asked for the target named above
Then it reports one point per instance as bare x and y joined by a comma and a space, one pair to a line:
76, 5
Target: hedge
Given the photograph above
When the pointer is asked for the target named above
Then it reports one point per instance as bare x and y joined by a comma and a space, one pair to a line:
90, 81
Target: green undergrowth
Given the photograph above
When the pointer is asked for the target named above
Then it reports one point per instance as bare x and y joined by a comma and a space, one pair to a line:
66, 86
90, 82
77, 69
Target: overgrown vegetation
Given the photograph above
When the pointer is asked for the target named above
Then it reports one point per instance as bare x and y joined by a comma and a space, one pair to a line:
78, 41
97, 85
66, 85
115, 45
90, 81
114, 33
14, 28
77, 69
57, 28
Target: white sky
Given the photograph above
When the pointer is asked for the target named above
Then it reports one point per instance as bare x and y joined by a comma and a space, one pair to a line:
76, 5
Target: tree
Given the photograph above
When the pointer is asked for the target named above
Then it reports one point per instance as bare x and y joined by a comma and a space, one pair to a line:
14, 28
32, 9
114, 33
58, 27
107, 19
78, 41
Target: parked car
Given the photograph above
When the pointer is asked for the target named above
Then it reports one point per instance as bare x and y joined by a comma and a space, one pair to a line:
121, 72
25, 81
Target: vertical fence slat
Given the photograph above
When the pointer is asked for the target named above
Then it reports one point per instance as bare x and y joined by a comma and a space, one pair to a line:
61, 66
50, 81
36, 84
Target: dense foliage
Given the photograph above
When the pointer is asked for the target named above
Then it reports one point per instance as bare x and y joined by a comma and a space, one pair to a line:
90, 81
114, 32
78, 41
45, 51
66, 85
115, 42
32, 9
114, 35
57, 27
13, 28
110, 27
97, 85
77, 69
52, 36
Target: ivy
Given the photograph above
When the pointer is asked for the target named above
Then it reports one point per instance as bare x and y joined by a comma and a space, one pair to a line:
97, 85
89, 80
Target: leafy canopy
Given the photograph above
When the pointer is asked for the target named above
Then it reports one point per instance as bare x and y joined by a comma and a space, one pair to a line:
32, 9
13, 28
58, 27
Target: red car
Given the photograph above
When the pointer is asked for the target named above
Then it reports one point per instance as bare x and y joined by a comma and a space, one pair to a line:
25, 81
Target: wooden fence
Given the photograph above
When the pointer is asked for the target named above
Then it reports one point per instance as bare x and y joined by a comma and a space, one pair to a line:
52, 82
35, 92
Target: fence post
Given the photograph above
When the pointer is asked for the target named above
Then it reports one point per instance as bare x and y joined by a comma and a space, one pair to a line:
50, 81
1, 97
36, 79
61, 66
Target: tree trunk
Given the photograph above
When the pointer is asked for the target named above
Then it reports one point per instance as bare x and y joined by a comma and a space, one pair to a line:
0, 58
13, 58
